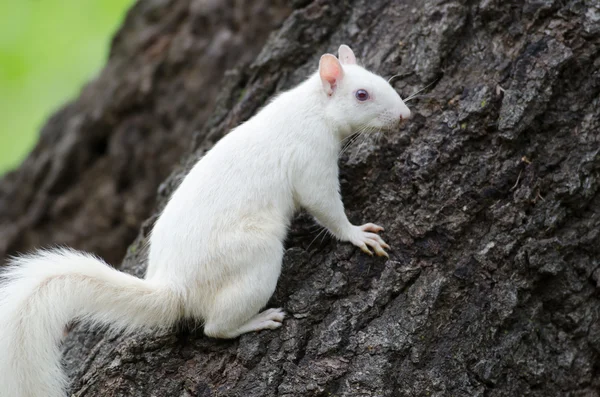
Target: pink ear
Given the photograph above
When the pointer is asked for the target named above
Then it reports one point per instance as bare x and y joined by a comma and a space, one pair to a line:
331, 72
346, 55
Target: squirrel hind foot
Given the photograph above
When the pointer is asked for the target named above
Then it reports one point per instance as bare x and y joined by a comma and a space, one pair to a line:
268, 319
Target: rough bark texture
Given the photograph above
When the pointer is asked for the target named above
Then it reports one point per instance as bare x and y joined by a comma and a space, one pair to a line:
92, 179
489, 196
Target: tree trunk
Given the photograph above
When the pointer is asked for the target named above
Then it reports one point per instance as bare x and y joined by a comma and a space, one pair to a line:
489, 196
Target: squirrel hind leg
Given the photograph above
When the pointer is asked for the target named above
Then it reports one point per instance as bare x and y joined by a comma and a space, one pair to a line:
268, 319
235, 307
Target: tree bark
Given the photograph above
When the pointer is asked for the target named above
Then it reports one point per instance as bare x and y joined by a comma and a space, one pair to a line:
93, 177
489, 196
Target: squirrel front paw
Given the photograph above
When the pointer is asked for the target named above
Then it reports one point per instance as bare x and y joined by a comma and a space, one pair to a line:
366, 236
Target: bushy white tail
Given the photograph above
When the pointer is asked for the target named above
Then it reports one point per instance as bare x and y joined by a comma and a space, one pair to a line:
41, 293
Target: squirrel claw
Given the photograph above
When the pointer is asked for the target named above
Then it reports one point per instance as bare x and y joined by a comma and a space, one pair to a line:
366, 249
366, 236
381, 252
371, 227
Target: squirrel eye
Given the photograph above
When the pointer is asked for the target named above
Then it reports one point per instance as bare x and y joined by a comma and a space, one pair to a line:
362, 95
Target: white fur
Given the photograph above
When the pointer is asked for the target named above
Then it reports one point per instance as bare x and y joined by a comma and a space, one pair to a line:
216, 250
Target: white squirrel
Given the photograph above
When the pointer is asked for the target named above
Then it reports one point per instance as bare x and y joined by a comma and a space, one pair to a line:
216, 249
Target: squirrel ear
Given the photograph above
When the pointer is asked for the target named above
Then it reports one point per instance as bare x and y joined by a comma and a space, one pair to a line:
346, 55
331, 72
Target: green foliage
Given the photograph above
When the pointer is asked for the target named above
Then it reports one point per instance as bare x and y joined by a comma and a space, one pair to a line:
48, 50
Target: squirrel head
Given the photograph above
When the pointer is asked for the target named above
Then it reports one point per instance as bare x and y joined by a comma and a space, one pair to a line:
357, 98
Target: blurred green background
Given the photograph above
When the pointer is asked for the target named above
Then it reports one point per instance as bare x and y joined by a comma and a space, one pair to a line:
48, 50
